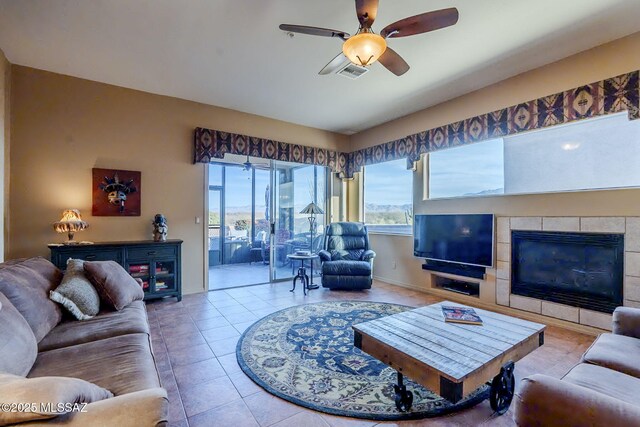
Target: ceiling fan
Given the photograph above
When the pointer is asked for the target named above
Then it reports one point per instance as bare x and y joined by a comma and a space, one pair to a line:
367, 47
246, 166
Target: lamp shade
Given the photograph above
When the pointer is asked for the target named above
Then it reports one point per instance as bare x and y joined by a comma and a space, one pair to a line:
70, 222
312, 209
364, 48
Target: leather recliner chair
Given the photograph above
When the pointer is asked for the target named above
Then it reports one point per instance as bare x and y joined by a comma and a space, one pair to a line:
346, 258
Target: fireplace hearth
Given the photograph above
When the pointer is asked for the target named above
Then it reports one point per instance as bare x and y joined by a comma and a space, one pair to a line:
577, 269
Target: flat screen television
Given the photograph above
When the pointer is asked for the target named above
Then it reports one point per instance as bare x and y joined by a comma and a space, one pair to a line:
462, 239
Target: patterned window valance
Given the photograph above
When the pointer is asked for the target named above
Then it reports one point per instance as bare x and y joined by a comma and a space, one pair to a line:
214, 144
621, 93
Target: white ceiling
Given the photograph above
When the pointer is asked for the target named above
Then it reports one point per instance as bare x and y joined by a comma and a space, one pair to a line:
230, 53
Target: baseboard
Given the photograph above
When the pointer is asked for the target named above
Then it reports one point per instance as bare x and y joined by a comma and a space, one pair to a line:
397, 283
539, 318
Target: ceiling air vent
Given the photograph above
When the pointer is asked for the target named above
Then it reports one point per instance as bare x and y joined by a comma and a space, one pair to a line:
352, 71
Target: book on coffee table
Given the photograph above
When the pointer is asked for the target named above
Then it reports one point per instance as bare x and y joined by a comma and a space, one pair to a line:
455, 314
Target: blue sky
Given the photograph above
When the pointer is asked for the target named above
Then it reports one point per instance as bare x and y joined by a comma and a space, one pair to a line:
388, 183
238, 186
468, 169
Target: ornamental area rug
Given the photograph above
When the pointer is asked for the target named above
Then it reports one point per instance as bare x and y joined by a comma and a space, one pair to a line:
305, 354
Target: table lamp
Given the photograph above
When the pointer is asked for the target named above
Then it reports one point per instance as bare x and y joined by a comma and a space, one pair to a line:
70, 223
312, 209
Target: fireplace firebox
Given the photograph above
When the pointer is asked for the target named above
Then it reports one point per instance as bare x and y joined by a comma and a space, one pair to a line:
577, 269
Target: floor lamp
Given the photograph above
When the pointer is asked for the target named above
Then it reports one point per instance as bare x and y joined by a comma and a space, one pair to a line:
312, 210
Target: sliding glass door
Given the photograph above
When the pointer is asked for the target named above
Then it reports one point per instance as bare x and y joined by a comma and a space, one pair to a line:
294, 186
215, 217
215, 242
238, 229
254, 220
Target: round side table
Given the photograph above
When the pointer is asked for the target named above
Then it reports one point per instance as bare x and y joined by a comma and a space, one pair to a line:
302, 272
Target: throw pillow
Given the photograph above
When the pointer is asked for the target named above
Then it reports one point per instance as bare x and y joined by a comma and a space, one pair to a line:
76, 293
26, 283
47, 397
18, 345
115, 286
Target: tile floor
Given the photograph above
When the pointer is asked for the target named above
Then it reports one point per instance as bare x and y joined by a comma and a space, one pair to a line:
194, 342
227, 276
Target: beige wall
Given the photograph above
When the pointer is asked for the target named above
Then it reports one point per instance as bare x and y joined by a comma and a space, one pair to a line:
62, 127
5, 135
596, 64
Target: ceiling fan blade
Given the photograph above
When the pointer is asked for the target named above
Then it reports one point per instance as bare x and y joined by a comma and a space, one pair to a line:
367, 10
335, 64
314, 31
422, 23
393, 62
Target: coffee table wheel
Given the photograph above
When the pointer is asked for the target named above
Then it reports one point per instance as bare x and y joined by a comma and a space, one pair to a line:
404, 398
502, 388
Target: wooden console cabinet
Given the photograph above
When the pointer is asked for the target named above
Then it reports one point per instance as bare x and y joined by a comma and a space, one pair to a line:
157, 264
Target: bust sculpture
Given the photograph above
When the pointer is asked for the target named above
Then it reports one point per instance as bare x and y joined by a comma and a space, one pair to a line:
160, 228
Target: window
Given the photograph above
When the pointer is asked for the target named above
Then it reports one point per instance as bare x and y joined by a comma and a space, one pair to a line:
261, 199
388, 191
237, 212
241, 203
309, 186
593, 154
237, 203
468, 170
588, 155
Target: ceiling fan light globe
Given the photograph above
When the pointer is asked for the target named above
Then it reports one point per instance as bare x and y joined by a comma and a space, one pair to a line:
364, 48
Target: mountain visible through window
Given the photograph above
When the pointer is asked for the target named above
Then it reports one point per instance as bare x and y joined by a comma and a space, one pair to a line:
388, 197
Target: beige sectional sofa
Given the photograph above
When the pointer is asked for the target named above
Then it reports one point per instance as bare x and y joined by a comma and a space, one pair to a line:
112, 350
602, 390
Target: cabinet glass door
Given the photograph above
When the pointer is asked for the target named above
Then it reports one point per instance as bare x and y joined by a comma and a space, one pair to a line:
164, 276
141, 271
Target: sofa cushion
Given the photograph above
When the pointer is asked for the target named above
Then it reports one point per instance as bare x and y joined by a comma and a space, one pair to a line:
626, 321
617, 352
347, 268
18, 345
121, 364
606, 381
544, 401
50, 391
130, 320
27, 284
76, 293
115, 286
11, 262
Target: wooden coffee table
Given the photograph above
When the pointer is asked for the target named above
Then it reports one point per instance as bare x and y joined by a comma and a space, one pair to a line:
451, 359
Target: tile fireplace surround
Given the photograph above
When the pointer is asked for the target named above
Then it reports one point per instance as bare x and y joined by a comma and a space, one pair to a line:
629, 226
